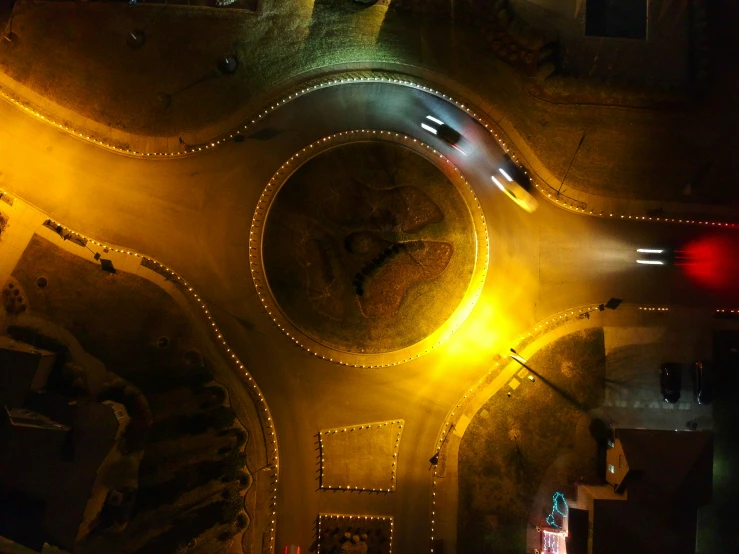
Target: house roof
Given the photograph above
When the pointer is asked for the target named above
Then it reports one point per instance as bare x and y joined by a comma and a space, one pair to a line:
639, 528
54, 470
18, 365
670, 477
669, 464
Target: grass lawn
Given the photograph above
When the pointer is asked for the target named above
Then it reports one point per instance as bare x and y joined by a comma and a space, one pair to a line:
116, 317
361, 457
185, 486
511, 442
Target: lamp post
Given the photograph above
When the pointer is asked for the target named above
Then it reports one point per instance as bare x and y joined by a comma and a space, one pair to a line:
435, 458
520, 359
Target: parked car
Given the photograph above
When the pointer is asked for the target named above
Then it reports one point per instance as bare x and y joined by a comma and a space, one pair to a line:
670, 381
702, 375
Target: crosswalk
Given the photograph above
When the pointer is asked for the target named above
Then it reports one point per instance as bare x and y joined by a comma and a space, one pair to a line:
648, 405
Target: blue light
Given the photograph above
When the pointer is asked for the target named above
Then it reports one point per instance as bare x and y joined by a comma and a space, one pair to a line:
558, 496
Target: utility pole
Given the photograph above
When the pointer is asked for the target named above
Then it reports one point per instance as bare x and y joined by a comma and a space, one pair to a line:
572, 160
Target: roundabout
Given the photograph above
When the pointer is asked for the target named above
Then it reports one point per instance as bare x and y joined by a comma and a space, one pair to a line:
372, 251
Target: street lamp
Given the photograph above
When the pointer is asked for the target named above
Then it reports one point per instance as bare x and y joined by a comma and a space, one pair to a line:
435, 458
520, 359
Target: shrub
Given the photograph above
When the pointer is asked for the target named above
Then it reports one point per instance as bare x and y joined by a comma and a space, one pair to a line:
232, 507
184, 530
244, 479
240, 435
164, 379
193, 424
214, 396
234, 464
221, 417
184, 480
73, 379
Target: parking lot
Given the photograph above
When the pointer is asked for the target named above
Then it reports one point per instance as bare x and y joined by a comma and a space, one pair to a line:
636, 345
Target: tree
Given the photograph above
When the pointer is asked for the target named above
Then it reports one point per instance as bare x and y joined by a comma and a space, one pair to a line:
221, 417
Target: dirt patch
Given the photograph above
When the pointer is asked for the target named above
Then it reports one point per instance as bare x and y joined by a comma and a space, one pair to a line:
361, 457
368, 248
512, 443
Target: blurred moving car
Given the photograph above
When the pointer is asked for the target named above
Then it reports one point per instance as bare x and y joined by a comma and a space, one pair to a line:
514, 182
655, 256
292, 549
442, 130
670, 381
702, 375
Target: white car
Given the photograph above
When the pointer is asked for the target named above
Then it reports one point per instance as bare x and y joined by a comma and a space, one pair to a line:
514, 190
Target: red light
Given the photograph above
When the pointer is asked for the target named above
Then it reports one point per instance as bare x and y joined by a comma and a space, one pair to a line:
712, 261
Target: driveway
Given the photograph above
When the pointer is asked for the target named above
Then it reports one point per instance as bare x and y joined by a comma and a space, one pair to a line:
634, 353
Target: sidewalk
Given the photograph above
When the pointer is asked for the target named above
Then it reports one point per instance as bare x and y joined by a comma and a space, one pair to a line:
113, 96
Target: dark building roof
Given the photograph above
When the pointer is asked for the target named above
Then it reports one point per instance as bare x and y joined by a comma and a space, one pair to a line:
52, 470
577, 531
668, 465
670, 476
22, 368
636, 528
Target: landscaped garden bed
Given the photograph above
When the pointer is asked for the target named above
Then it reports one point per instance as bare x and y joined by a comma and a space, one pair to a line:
361, 457
345, 534
512, 442
369, 247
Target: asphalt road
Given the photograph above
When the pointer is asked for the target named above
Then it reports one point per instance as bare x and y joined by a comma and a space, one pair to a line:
194, 214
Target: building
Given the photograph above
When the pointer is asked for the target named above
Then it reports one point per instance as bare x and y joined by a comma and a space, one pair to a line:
50, 450
23, 369
656, 482
628, 41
